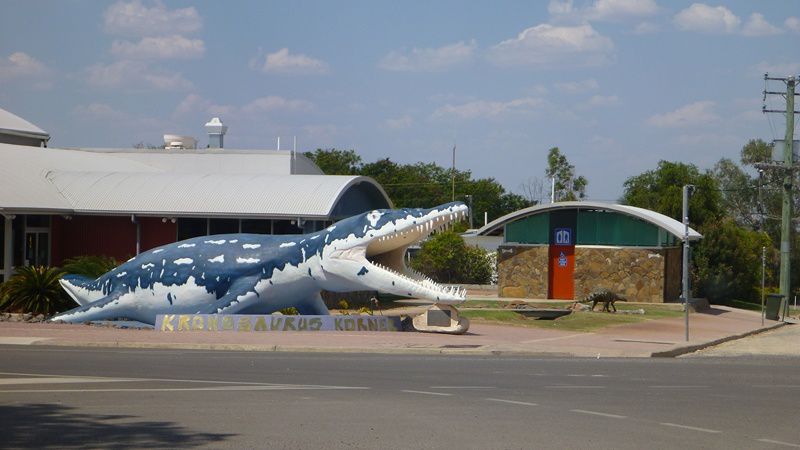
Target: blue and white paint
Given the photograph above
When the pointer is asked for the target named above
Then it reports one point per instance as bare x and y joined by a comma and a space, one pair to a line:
261, 274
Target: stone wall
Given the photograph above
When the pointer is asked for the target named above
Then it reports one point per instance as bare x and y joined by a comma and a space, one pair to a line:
639, 274
636, 274
522, 271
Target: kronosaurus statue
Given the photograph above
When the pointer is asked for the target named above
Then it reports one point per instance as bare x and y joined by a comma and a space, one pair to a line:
261, 274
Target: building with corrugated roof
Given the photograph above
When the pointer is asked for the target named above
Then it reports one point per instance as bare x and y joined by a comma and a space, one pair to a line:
57, 203
16, 130
566, 250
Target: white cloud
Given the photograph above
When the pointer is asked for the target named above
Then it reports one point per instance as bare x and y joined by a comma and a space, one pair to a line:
286, 63
577, 87
707, 19
705, 139
603, 100
757, 25
560, 7
163, 47
194, 103
602, 141
792, 24
429, 59
484, 108
134, 75
398, 123
276, 103
697, 113
135, 19
621, 9
603, 10
547, 45
646, 28
777, 69
21, 65
101, 112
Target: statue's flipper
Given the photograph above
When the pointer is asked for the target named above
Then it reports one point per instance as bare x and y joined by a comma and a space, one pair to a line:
101, 309
312, 306
240, 295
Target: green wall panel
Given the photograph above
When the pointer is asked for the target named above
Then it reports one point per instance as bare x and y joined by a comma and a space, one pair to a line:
529, 230
612, 228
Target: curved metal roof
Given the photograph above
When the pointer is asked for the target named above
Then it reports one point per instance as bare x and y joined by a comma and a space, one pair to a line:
203, 194
34, 179
667, 223
13, 124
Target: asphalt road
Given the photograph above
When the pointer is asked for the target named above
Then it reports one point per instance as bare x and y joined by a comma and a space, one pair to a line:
102, 398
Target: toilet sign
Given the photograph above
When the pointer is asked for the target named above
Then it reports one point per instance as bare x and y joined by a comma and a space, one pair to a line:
562, 260
562, 236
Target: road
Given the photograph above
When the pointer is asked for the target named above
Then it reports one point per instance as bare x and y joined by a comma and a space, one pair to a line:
54, 397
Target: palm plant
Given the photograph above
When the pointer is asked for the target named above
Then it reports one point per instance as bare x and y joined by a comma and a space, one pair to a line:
90, 266
34, 289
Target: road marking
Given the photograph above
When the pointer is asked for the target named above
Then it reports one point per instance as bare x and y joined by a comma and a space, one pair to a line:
574, 386
678, 387
426, 392
770, 441
596, 413
687, 427
777, 386
61, 380
204, 389
173, 380
462, 387
513, 402
586, 375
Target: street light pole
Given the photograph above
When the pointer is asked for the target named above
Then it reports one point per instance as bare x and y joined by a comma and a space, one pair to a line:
686, 192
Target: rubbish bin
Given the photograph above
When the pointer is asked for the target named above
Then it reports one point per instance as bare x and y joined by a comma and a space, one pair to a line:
773, 306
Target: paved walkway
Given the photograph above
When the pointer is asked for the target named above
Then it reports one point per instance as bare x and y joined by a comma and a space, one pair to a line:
784, 341
662, 337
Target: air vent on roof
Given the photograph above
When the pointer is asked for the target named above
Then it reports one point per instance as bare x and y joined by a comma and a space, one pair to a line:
216, 131
176, 142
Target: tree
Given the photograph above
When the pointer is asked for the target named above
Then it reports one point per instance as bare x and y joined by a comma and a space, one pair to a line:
535, 190
336, 162
568, 187
447, 259
423, 185
661, 190
728, 262
739, 193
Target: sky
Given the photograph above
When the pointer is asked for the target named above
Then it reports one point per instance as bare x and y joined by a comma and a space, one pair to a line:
617, 85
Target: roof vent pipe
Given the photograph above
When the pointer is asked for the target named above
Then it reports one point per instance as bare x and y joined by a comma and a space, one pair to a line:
216, 132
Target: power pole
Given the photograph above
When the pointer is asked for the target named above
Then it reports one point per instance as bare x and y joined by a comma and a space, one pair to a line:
453, 175
788, 175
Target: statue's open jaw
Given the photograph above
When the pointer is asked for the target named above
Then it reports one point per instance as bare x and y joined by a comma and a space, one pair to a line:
381, 258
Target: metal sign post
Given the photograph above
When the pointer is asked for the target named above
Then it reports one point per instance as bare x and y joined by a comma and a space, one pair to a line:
686, 192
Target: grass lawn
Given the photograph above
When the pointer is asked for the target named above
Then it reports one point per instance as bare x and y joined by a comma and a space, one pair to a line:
582, 321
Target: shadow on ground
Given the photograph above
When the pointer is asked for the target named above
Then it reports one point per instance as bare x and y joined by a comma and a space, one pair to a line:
59, 426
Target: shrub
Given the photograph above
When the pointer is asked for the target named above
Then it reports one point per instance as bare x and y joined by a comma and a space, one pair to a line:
36, 290
290, 311
91, 266
447, 259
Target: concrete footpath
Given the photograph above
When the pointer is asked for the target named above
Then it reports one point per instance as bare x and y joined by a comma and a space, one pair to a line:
661, 337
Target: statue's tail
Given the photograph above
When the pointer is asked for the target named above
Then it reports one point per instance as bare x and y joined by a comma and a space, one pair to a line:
82, 289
